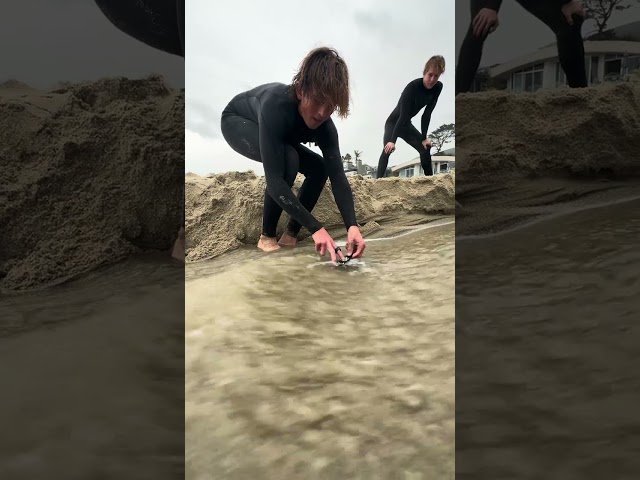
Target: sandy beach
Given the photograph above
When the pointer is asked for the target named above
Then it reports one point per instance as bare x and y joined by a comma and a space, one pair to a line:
295, 368
521, 158
64, 211
93, 375
338, 374
90, 201
224, 211
578, 132
91, 173
546, 282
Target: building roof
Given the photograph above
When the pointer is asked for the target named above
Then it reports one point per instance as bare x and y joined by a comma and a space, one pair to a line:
416, 161
548, 53
448, 151
626, 40
628, 31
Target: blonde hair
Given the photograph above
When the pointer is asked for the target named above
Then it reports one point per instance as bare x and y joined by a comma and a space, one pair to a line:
437, 61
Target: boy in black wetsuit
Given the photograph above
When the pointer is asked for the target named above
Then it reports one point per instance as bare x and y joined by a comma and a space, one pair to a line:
421, 92
160, 25
564, 17
268, 124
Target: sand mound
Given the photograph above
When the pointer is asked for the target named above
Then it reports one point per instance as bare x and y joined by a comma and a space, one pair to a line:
526, 156
90, 173
575, 131
370, 227
12, 84
224, 211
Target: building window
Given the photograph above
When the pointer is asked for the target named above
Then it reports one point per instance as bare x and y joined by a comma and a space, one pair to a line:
561, 78
517, 82
632, 63
612, 66
593, 79
407, 172
528, 79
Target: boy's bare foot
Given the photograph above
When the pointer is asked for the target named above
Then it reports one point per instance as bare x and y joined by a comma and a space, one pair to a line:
268, 244
287, 240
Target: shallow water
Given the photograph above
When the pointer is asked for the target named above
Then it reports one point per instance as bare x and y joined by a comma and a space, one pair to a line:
547, 344
298, 369
92, 375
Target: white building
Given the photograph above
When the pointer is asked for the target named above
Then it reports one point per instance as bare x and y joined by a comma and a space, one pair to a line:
608, 59
413, 168
358, 168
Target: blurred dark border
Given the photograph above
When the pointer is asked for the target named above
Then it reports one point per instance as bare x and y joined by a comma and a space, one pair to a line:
91, 203
548, 196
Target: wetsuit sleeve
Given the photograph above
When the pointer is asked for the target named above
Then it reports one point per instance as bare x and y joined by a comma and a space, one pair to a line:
272, 150
426, 115
339, 183
405, 111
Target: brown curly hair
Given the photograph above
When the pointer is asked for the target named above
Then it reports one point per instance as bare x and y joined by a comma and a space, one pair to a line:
324, 76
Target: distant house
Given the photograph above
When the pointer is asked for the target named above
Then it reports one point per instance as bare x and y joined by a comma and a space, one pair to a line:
349, 168
413, 168
608, 57
358, 168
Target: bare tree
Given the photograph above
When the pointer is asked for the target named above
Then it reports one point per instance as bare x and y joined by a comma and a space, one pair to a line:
441, 135
600, 11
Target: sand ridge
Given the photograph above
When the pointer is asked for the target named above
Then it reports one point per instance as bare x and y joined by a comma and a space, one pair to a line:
224, 211
92, 172
578, 132
522, 157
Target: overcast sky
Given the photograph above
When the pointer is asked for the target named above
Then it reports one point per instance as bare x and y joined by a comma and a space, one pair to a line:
43, 42
234, 46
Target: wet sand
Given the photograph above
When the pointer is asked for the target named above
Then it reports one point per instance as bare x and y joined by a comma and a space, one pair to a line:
497, 205
546, 282
301, 370
92, 376
546, 335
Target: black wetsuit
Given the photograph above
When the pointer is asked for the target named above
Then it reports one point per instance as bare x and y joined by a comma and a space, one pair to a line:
413, 98
569, 41
156, 23
264, 124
